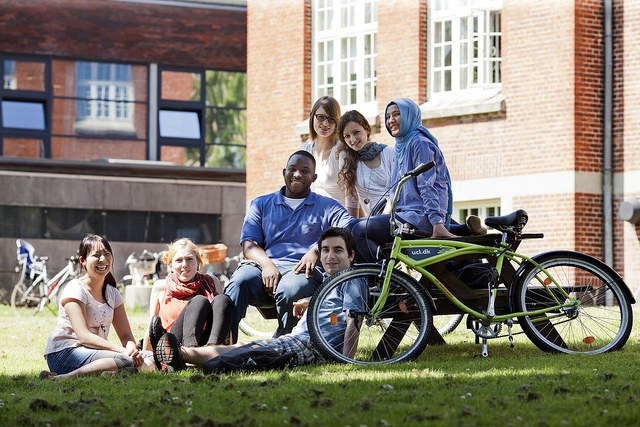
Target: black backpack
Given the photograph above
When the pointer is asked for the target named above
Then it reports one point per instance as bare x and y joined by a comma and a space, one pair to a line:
249, 357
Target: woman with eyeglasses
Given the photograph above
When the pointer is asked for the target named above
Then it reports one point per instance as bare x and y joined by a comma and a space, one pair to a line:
323, 144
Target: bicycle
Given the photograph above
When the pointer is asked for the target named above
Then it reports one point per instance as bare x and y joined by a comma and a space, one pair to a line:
563, 301
34, 289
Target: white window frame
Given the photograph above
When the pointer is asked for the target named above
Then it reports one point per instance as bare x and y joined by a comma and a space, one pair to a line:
110, 102
472, 65
481, 208
344, 53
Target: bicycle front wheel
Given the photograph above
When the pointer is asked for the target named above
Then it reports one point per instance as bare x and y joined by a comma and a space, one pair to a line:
599, 322
400, 332
25, 295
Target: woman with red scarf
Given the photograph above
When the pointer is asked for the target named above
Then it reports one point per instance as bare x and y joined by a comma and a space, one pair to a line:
193, 306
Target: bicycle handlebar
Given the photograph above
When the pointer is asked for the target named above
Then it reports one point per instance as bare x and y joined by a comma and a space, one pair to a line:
422, 168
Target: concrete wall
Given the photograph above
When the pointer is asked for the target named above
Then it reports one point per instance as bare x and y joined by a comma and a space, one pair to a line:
215, 192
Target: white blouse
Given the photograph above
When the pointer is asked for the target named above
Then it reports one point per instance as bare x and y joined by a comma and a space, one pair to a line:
372, 184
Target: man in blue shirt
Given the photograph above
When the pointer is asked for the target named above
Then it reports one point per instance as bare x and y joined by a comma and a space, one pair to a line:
278, 240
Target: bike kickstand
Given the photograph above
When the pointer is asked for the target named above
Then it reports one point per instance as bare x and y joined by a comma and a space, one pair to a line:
509, 325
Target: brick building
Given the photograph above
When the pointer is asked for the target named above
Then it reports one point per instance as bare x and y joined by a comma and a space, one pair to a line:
123, 118
516, 92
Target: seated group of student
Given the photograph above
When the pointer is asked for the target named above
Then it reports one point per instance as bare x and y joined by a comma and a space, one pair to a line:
284, 236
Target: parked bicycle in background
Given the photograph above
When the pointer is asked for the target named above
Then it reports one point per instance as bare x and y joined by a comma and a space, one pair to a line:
34, 289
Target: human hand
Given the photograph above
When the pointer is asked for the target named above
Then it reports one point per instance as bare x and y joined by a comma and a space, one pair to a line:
131, 350
307, 263
439, 230
300, 306
270, 278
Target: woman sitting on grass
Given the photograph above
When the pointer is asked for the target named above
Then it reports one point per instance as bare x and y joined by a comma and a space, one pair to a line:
192, 305
87, 308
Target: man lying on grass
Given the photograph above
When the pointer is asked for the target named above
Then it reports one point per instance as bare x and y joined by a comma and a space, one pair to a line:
337, 251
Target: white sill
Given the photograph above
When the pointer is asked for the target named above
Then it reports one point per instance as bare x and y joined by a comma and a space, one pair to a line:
123, 128
463, 104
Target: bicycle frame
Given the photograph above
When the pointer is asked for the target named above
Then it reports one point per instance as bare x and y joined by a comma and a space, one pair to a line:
450, 249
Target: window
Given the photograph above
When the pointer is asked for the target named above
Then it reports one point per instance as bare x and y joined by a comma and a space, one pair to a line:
122, 226
344, 52
23, 115
24, 101
202, 118
481, 208
104, 95
464, 56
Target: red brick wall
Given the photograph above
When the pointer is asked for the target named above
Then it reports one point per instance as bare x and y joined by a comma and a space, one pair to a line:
402, 51
129, 32
551, 127
278, 93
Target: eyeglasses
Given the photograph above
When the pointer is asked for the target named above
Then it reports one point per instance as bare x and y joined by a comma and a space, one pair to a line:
321, 118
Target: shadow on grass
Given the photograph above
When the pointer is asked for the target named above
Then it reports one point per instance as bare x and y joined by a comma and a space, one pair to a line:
447, 385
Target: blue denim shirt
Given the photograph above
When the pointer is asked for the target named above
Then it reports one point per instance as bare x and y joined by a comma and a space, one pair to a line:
350, 295
286, 234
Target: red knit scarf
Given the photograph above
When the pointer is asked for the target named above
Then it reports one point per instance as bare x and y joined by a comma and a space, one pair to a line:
202, 284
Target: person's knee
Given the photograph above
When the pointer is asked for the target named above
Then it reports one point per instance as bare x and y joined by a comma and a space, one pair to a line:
223, 303
359, 228
123, 361
199, 301
289, 291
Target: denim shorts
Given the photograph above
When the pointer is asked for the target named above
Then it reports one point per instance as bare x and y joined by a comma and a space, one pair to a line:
69, 359
72, 358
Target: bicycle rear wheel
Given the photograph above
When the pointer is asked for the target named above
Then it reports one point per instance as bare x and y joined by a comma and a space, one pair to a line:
600, 322
255, 325
399, 333
447, 323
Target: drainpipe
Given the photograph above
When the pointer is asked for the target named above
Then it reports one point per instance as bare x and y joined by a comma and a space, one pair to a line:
607, 185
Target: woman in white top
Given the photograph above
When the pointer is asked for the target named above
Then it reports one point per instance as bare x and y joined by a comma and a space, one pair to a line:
88, 307
366, 168
325, 147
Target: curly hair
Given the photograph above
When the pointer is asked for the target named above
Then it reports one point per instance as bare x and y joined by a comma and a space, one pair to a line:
347, 174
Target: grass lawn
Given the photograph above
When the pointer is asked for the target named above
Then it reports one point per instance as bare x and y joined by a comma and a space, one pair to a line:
448, 385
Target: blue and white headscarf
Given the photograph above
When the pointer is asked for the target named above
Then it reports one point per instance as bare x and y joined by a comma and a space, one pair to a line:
410, 125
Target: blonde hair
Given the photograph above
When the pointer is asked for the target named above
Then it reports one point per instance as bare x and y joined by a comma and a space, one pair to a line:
183, 243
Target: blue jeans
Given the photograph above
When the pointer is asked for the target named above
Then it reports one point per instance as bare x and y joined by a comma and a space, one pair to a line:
246, 288
372, 232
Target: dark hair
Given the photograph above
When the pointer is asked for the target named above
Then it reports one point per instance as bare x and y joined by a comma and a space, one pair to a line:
343, 233
347, 174
305, 154
89, 242
331, 106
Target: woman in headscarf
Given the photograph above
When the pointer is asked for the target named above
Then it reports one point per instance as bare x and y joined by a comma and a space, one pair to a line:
426, 202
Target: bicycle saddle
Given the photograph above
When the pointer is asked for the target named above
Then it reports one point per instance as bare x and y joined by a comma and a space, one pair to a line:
515, 221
